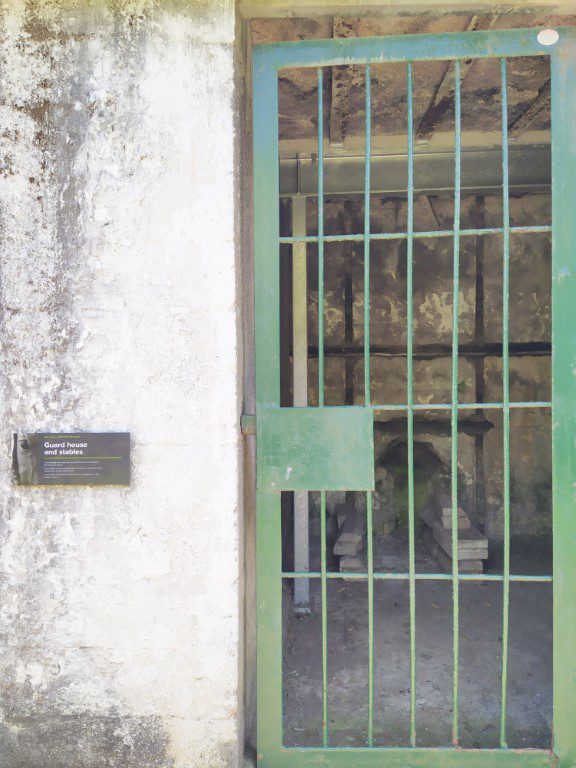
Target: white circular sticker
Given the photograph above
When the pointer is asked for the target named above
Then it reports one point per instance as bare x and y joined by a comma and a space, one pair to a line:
548, 37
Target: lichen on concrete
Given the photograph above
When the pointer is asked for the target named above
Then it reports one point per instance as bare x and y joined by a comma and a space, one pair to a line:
120, 608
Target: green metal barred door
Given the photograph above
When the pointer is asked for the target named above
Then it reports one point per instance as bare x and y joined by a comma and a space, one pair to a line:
326, 449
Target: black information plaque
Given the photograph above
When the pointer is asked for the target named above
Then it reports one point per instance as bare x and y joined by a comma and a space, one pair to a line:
83, 458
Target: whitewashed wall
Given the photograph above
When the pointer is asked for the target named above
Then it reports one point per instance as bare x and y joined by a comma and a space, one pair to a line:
119, 613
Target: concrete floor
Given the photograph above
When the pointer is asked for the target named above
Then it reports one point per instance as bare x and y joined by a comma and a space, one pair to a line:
530, 660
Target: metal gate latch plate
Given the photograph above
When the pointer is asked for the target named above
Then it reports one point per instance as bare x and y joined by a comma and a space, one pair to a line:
320, 449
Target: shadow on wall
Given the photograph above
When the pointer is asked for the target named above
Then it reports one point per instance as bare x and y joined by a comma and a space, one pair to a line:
391, 496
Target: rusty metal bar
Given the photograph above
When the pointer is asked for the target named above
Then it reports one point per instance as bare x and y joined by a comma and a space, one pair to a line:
344, 175
431, 351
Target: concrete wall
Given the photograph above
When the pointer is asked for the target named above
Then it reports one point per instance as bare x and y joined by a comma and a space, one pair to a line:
119, 616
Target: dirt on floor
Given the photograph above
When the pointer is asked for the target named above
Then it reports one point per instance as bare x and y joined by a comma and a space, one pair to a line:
529, 699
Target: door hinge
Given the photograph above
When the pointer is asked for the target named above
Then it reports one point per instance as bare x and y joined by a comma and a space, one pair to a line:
248, 424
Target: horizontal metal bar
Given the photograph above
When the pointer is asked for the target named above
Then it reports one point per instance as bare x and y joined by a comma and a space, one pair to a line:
415, 757
399, 407
536, 229
419, 576
433, 173
404, 48
463, 406
433, 351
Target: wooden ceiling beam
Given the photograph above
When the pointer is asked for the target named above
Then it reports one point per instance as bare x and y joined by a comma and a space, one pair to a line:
267, 9
429, 214
342, 26
540, 104
443, 97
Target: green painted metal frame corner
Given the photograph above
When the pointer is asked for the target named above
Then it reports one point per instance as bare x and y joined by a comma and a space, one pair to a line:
267, 61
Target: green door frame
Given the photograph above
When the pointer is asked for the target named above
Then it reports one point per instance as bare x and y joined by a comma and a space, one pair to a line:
267, 61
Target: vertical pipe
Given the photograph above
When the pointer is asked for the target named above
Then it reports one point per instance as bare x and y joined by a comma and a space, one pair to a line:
367, 397
410, 404
300, 389
454, 402
320, 236
479, 372
324, 618
299, 304
505, 398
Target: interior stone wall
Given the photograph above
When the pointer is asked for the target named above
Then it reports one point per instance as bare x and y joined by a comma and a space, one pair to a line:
530, 320
120, 608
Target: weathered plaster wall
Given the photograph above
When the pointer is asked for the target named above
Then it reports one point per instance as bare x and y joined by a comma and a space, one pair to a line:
119, 615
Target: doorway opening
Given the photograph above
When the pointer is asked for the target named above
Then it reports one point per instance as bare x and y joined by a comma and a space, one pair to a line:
415, 279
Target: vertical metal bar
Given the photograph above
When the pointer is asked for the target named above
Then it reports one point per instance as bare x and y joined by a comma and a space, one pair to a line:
300, 388
321, 398
299, 304
454, 402
368, 148
320, 236
505, 397
367, 398
370, 566
267, 380
285, 313
350, 258
410, 402
563, 66
479, 363
324, 618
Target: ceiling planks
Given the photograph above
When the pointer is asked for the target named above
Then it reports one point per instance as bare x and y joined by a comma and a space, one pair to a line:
341, 83
443, 98
535, 110
344, 117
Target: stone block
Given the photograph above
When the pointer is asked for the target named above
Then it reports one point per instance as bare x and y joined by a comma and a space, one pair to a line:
348, 547
472, 545
442, 505
353, 564
445, 561
445, 518
351, 532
